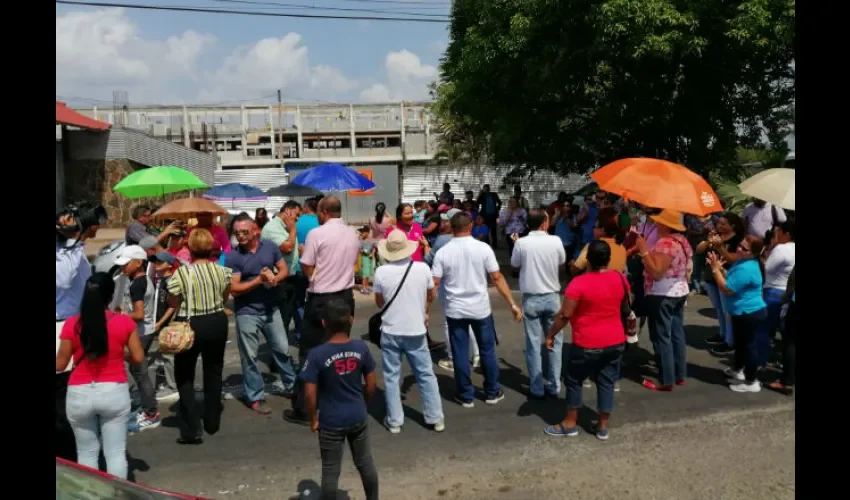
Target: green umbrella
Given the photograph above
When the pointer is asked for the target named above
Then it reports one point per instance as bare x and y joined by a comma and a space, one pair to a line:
158, 181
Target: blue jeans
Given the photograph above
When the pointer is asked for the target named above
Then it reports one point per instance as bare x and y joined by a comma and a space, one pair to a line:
415, 348
602, 365
98, 415
538, 313
485, 335
248, 329
718, 302
667, 333
767, 329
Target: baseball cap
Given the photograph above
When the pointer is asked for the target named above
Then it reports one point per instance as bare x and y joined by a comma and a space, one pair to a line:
162, 257
129, 253
148, 242
451, 213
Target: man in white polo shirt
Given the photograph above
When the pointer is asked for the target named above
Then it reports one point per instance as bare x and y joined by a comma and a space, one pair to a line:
538, 257
462, 265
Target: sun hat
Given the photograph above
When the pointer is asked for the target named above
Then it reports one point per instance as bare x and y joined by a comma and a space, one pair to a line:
131, 252
396, 246
451, 213
670, 218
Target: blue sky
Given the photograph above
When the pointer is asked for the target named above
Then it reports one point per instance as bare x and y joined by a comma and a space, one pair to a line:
173, 57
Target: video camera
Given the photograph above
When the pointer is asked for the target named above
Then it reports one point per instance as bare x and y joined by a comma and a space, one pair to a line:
84, 214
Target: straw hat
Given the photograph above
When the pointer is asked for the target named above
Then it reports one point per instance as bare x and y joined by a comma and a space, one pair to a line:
396, 246
670, 218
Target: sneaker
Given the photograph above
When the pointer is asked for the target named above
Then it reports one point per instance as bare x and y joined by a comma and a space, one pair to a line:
495, 399
602, 434
446, 364
617, 386
735, 375
146, 422
715, 340
278, 389
723, 350
440, 426
476, 361
394, 429
745, 387
464, 403
164, 395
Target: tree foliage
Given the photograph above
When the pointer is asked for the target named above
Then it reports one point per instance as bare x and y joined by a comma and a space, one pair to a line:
572, 84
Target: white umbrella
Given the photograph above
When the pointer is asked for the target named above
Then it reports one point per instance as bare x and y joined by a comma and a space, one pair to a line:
774, 185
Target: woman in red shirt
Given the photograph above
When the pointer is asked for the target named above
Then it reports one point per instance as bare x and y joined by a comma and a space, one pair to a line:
98, 400
592, 307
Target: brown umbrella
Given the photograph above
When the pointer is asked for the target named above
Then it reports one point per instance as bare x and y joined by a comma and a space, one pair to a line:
188, 207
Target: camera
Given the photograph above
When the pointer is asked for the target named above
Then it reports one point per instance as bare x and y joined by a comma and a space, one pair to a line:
84, 214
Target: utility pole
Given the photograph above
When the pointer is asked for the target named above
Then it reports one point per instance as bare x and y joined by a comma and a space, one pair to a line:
279, 128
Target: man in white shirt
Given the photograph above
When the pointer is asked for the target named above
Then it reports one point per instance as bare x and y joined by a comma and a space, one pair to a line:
404, 326
538, 257
760, 216
463, 265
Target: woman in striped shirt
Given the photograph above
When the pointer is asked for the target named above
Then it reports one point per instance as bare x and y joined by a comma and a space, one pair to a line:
198, 293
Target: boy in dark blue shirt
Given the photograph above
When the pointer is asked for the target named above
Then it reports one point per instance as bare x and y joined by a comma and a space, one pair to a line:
333, 377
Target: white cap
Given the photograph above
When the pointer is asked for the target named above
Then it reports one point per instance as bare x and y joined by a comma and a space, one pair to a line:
129, 253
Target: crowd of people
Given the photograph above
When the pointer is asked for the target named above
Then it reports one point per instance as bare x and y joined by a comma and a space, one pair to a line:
292, 280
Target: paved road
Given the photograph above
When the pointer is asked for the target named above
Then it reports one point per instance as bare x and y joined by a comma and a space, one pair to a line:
701, 441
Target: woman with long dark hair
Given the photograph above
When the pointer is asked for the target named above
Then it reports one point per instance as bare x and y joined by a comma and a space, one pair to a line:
379, 223
742, 285
98, 400
198, 293
261, 217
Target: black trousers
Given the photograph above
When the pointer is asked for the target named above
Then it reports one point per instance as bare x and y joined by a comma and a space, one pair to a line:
293, 295
789, 346
332, 446
66, 445
746, 350
314, 333
492, 222
210, 342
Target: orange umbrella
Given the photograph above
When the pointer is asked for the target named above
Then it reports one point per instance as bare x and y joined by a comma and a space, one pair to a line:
188, 207
658, 184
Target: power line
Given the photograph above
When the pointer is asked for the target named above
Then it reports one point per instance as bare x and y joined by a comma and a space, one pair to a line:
279, 5
204, 10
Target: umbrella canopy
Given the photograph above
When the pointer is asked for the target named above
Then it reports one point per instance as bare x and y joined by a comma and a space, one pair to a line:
333, 177
658, 184
235, 192
293, 190
188, 207
774, 185
158, 181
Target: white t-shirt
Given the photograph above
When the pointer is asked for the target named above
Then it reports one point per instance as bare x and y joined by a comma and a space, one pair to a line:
406, 315
779, 265
462, 265
538, 256
760, 220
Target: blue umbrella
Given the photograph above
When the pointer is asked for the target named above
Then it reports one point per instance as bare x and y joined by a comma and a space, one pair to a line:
333, 177
234, 192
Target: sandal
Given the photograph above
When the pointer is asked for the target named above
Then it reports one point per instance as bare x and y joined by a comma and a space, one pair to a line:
779, 387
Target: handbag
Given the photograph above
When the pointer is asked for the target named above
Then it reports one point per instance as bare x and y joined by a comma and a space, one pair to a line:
376, 320
627, 316
178, 336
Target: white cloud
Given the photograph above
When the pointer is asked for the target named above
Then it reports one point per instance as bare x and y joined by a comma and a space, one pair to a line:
407, 79
102, 50
276, 63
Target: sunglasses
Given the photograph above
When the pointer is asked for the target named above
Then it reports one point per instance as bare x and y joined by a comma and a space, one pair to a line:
242, 232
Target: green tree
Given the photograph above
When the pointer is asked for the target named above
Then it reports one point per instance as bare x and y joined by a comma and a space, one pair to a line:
572, 84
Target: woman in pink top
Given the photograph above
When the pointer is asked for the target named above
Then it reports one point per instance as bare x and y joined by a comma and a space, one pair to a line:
98, 399
380, 223
219, 234
404, 218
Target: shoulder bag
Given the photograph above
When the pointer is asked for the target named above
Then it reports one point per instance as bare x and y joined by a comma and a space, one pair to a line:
377, 319
178, 336
627, 316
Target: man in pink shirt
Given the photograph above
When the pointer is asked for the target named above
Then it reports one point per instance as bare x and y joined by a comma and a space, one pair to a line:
205, 220
330, 253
